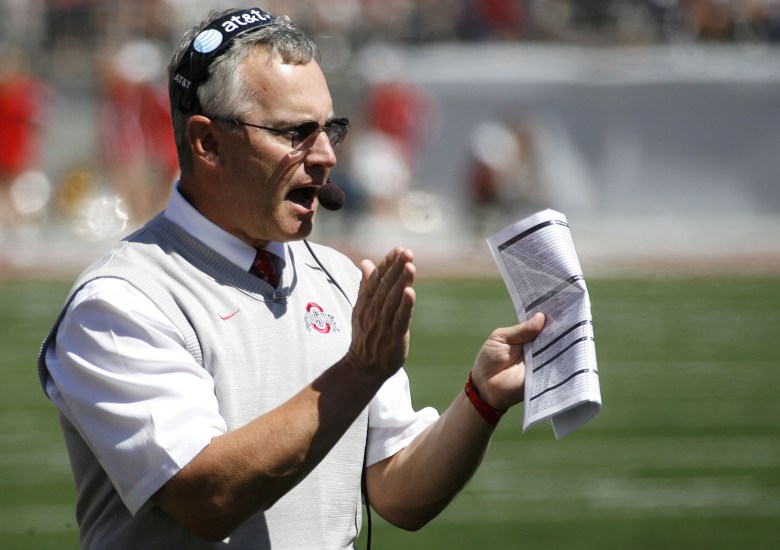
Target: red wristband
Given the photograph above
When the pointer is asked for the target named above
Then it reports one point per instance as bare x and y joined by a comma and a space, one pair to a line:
491, 414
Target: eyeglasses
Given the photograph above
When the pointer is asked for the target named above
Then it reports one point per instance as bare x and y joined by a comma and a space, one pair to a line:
336, 130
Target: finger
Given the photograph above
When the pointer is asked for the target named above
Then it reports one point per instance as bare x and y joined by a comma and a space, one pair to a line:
372, 274
395, 260
394, 303
403, 315
523, 332
393, 272
367, 268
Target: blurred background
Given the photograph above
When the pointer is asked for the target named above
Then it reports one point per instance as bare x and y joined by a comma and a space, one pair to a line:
654, 125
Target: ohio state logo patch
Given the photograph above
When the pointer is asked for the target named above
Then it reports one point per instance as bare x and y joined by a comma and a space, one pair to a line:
317, 319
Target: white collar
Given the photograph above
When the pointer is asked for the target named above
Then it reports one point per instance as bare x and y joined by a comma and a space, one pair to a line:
183, 214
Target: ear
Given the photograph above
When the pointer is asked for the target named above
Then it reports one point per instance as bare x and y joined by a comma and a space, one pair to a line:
203, 141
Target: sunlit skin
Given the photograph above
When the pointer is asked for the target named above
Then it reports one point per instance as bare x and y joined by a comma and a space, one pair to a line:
256, 170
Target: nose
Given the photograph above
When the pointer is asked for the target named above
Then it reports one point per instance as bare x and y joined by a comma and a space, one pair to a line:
321, 151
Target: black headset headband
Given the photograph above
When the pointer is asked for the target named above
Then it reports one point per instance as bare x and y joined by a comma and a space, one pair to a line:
211, 42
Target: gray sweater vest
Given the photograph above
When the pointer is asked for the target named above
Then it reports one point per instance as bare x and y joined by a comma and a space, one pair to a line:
261, 347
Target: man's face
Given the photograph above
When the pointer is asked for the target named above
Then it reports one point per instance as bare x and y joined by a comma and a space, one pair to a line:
270, 186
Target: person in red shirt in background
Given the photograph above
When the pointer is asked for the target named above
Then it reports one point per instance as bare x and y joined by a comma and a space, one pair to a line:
138, 153
22, 107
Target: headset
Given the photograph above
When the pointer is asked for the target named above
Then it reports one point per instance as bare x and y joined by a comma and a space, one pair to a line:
327, 273
193, 68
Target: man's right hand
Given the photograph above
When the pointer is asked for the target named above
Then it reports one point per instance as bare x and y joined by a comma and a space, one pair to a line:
383, 315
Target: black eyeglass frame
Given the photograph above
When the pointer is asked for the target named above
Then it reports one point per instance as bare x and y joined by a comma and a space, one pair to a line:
336, 129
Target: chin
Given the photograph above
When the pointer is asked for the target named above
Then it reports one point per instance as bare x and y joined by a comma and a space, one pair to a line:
302, 231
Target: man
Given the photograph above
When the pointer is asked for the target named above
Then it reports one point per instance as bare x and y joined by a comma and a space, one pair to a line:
205, 406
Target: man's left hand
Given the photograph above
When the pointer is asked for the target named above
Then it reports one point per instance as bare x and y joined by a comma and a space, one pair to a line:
499, 369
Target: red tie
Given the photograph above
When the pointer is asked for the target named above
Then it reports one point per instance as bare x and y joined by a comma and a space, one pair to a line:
263, 267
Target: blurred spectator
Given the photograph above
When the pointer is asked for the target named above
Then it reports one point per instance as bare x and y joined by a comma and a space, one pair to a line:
757, 20
504, 175
388, 21
22, 23
662, 19
23, 101
436, 21
398, 114
70, 24
494, 20
550, 19
401, 111
711, 19
134, 124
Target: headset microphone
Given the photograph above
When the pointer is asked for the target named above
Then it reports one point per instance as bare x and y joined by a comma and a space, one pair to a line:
331, 196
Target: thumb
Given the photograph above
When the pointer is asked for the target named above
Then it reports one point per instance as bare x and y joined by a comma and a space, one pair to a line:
524, 332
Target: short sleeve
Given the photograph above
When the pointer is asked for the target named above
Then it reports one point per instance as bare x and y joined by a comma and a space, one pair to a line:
121, 374
392, 421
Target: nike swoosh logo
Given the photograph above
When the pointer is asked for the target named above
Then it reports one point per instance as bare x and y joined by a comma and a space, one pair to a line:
226, 317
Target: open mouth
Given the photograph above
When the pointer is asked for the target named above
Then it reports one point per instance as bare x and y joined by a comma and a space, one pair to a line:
303, 196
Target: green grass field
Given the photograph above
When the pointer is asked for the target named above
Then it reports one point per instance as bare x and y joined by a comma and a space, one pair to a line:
685, 453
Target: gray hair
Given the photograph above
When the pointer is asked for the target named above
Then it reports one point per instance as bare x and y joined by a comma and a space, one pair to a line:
224, 94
